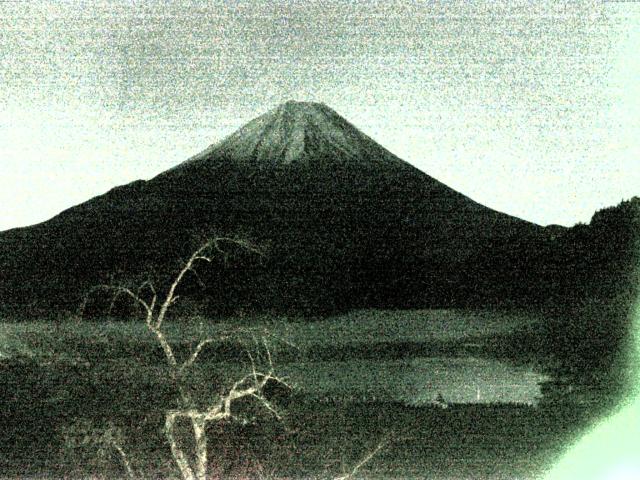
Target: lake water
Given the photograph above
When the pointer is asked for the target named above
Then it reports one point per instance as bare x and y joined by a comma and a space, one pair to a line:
417, 381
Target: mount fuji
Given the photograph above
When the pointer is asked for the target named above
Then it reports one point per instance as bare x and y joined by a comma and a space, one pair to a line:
347, 224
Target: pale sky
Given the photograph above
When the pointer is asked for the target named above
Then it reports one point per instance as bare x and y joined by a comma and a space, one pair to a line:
530, 108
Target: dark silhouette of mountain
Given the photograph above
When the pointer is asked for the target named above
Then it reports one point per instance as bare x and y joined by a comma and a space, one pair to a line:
595, 285
347, 224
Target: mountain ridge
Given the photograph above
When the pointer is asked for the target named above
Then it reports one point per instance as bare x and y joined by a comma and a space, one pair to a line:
349, 225
214, 156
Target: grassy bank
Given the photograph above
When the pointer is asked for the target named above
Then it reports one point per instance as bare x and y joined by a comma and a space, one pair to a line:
66, 384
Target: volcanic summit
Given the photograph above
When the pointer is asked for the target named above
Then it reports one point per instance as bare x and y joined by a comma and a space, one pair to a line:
295, 133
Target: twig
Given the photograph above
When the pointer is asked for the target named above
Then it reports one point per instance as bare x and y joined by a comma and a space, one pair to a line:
366, 459
125, 461
194, 355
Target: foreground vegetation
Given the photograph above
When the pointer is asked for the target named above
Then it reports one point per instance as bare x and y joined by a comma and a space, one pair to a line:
316, 440
76, 390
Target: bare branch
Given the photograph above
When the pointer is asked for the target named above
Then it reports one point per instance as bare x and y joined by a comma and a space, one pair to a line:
203, 258
268, 350
166, 348
195, 274
250, 385
360, 464
125, 460
245, 244
194, 355
268, 405
253, 367
200, 255
112, 304
152, 308
269, 334
148, 284
120, 290
170, 298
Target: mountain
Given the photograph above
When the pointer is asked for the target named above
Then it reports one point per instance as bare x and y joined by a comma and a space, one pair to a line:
298, 133
347, 224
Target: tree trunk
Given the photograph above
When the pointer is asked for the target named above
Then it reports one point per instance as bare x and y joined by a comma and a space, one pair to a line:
178, 455
200, 436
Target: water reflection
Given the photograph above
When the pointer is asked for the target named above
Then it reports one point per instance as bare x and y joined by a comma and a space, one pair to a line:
470, 380
418, 381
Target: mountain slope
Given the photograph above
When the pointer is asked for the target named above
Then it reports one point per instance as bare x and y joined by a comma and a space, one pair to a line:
348, 224
297, 132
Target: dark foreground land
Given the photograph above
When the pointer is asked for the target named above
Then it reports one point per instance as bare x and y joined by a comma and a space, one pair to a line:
70, 392
314, 440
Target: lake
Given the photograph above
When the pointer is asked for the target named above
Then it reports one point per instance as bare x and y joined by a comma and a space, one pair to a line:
417, 381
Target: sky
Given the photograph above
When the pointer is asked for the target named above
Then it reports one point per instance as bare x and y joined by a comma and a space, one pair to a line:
527, 107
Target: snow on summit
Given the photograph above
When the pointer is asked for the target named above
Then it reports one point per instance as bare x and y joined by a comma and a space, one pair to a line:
297, 132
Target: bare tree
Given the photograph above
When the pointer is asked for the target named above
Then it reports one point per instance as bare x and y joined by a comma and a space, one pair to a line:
155, 307
217, 409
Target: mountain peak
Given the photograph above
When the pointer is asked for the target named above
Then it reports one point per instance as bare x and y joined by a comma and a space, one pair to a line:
296, 105
296, 132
